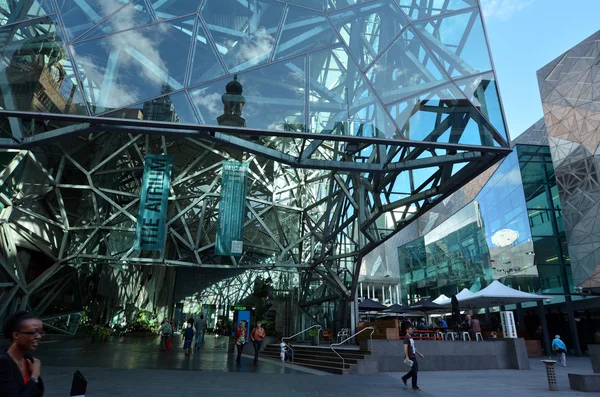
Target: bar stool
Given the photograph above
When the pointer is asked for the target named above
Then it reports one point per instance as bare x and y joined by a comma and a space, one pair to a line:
466, 335
449, 335
478, 337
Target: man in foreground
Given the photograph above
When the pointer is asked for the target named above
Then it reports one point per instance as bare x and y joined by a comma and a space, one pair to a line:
410, 354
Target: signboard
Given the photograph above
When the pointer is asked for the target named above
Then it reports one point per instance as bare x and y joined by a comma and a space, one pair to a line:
240, 308
232, 209
509, 328
150, 232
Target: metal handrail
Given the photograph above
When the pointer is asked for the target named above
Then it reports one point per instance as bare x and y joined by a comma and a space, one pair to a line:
301, 332
346, 340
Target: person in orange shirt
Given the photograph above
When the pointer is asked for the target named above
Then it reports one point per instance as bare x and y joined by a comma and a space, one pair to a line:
257, 336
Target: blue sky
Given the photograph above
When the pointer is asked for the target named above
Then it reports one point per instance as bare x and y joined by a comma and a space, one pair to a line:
525, 35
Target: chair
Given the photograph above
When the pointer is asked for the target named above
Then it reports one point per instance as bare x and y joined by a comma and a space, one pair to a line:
466, 335
449, 335
478, 337
344, 333
328, 333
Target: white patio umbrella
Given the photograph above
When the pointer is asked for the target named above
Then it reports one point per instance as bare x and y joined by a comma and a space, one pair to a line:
498, 294
442, 300
464, 294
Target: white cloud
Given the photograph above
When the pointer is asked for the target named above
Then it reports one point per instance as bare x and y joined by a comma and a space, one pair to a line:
503, 10
211, 102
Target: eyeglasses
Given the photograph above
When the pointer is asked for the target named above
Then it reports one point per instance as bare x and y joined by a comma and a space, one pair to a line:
34, 333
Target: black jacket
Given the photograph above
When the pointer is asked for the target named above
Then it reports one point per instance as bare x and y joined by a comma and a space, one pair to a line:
11, 380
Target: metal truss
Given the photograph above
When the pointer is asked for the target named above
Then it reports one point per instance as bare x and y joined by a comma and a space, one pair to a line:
352, 163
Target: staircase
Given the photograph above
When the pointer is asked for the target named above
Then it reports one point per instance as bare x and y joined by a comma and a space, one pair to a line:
321, 358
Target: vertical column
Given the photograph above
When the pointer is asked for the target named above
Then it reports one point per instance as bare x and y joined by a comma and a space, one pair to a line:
520, 317
544, 324
398, 293
382, 294
361, 291
570, 314
368, 292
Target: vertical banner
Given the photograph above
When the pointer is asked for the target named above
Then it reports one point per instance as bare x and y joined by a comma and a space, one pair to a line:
232, 209
509, 328
150, 232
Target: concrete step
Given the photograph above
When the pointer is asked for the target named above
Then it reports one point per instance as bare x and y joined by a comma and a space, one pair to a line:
321, 358
333, 363
324, 359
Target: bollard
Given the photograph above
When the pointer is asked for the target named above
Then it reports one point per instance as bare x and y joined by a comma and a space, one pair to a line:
552, 385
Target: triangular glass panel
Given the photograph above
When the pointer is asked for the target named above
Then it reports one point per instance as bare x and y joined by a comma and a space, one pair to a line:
341, 100
368, 28
131, 66
172, 108
437, 116
423, 9
406, 68
316, 4
482, 91
132, 15
38, 78
16, 11
167, 9
304, 30
458, 41
244, 34
205, 64
274, 98
79, 16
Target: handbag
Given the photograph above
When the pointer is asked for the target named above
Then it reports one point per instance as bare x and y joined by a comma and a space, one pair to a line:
169, 344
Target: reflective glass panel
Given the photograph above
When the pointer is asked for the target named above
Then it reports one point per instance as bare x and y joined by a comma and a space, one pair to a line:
341, 101
316, 4
130, 66
205, 64
174, 108
458, 41
36, 73
15, 11
442, 115
423, 9
78, 16
404, 69
335, 4
367, 29
244, 33
134, 14
274, 97
483, 93
304, 30
167, 9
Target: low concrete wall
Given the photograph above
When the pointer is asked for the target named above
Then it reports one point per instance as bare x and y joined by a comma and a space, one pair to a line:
388, 355
594, 352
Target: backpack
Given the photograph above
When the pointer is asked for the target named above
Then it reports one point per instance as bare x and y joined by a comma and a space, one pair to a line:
166, 329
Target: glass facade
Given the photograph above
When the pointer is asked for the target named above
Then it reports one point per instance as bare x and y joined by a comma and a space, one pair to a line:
488, 239
354, 117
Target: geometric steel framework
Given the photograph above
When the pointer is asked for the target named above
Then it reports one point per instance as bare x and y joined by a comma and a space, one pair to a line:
359, 117
570, 91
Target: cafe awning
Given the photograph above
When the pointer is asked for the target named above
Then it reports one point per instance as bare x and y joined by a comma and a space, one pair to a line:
498, 294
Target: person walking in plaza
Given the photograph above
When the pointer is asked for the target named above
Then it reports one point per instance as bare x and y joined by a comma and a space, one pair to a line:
561, 349
257, 335
20, 374
188, 336
165, 332
240, 340
200, 330
410, 354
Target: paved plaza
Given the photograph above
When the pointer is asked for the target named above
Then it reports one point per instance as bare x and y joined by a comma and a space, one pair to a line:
136, 367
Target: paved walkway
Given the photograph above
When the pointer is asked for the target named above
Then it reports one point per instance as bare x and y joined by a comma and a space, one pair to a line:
137, 367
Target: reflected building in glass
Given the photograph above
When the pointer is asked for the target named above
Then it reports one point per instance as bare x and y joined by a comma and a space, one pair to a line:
356, 119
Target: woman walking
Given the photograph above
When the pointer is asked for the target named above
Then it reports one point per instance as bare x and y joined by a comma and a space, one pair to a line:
19, 372
240, 340
257, 336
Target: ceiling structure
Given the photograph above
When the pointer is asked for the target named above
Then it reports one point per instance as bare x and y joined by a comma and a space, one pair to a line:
359, 116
